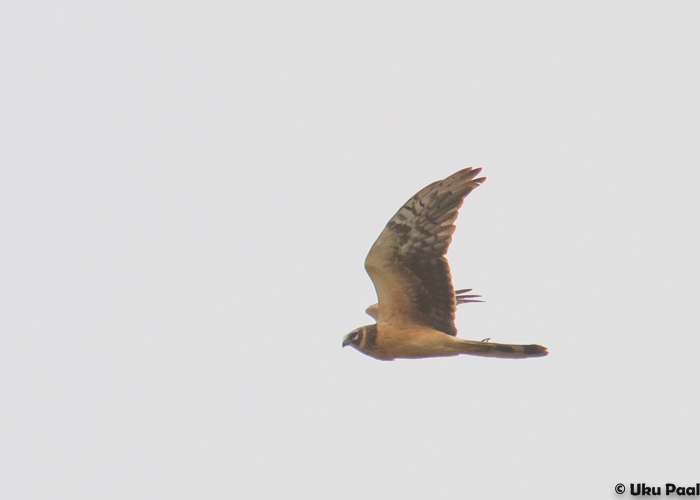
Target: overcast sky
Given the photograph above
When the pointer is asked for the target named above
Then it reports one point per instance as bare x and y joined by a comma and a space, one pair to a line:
188, 191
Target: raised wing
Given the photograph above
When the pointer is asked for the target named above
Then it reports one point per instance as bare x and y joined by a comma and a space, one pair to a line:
407, 263
461, 296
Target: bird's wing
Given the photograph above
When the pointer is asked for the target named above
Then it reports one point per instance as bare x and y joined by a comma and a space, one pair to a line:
407, 263
461, 296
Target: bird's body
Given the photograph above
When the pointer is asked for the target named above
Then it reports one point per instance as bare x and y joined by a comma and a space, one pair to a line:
417, 302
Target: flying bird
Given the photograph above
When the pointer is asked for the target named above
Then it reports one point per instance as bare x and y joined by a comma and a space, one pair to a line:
415, 313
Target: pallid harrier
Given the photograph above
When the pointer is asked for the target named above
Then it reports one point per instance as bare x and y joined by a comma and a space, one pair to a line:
417, 303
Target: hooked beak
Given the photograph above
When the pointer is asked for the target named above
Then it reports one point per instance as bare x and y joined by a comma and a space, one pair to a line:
346, 340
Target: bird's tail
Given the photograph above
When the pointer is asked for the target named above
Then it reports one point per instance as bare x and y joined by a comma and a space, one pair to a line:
493, 350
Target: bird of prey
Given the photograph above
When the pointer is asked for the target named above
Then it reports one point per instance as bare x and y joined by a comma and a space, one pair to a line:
416, 306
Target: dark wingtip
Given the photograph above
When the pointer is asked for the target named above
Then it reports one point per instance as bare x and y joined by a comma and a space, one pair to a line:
462, 294
469, 175
462, 297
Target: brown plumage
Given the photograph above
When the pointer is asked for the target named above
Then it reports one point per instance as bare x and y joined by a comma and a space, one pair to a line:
415, 313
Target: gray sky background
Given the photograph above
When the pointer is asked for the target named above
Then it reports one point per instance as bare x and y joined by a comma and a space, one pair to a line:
188, 191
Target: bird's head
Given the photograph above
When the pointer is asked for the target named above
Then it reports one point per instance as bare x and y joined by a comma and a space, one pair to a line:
354, 338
